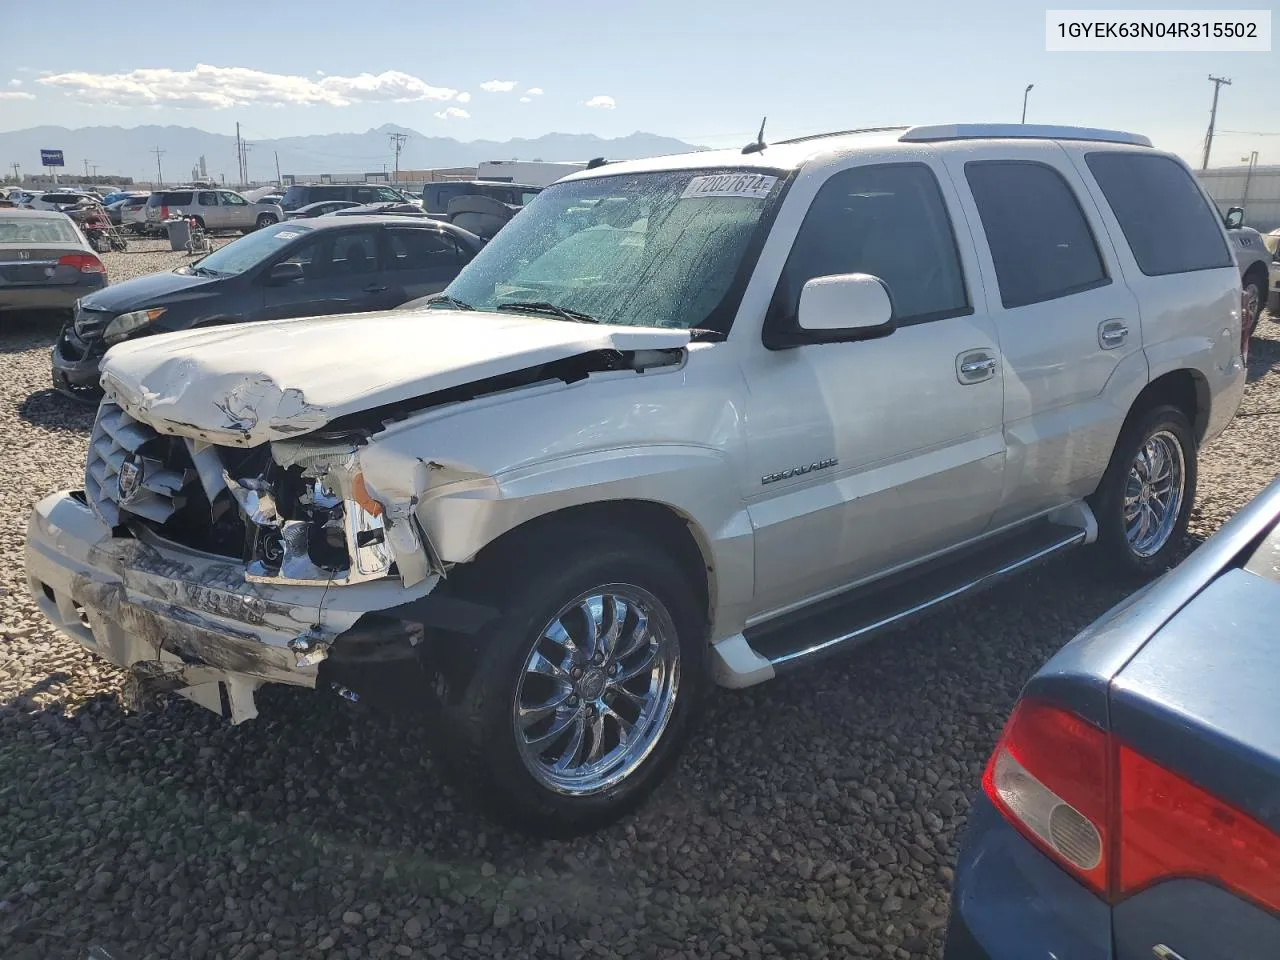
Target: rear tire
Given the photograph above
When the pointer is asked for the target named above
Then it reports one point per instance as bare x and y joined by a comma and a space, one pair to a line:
1144, 500
532, 765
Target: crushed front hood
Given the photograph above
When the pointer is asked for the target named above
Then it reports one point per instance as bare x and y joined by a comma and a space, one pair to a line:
246, 384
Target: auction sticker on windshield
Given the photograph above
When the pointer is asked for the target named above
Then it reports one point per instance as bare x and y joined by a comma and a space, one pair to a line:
287, 235
753, 186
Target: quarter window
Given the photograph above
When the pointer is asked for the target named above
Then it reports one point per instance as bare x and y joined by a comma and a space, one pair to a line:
890, 222
1168, 223
1039, 239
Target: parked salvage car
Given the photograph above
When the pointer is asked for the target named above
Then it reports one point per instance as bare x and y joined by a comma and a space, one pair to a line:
57, 200
133, 214
390, 207
319, 209
436, 197
211, 209
1129, 808
1254, 261
691, 419
303, 194
45, 261
306, 268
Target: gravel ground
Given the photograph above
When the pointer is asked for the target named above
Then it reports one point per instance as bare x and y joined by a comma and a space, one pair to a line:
814, 816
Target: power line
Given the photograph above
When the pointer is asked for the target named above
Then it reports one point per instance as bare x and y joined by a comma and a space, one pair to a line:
159, 173
397, 144
1218, 84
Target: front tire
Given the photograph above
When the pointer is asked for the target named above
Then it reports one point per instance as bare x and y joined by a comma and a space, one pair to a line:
1251, 303
1144, 501
264, 220
573, 704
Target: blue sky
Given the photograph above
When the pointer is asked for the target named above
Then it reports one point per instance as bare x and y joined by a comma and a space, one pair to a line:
705, 72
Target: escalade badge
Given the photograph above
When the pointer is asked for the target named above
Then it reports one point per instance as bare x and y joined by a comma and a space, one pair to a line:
129, 482
799, 471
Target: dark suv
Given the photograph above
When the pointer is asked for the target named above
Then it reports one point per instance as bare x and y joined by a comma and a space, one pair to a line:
301, 194
436, 196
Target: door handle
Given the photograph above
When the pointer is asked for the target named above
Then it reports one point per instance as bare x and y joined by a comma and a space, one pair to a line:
374, 288
975, 367
1112, 334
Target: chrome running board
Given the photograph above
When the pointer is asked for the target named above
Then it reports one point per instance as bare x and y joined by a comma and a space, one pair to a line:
853, 617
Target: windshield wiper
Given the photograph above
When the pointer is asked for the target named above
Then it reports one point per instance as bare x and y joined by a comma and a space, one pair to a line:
451, 301
204, 272
542, 306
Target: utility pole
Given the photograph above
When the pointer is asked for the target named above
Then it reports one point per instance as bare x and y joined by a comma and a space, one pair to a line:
1026, 93
17, 172
1218, 83
159, 173
86, 169
94, 167
279, 181
239, 153
1253, 162
244, 152
397, 144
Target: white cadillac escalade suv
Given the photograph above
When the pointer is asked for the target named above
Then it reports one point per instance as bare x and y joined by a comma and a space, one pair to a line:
690, 420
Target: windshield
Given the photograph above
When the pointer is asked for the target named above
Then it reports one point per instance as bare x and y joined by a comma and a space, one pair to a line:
37, 230
249, 251
652, 249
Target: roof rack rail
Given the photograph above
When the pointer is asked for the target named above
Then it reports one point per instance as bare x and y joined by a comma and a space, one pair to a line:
1026, 131
840, 133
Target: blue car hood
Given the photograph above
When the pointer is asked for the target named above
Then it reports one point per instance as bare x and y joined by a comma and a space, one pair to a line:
147, 291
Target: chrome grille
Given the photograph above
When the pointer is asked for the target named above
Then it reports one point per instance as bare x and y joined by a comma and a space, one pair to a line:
118, 437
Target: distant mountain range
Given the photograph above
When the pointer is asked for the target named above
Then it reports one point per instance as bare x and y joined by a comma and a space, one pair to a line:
130, 152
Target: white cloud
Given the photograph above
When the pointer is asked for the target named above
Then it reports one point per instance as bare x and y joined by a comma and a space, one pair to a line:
453, 113
601, 102
16, 95
526, 99
25, 69
221, 87
15, 83
533, 92
321, 73
463, 97
498, 86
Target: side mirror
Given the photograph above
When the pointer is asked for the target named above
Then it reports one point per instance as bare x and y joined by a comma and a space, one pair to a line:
1234, 219
286, 272
846, 306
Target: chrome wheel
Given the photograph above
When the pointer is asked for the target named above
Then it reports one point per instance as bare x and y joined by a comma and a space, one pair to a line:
597, 690
1153, 493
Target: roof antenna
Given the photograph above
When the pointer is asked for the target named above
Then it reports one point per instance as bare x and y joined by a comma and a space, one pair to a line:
759, 144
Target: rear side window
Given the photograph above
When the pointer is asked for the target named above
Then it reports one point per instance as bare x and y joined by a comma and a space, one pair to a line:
888, 221
1168, 223
172, 199
1040, 242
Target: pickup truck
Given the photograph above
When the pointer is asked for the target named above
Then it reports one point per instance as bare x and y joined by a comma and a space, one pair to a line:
687, 421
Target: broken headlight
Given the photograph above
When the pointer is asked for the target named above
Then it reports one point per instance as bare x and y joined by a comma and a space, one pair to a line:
316, 536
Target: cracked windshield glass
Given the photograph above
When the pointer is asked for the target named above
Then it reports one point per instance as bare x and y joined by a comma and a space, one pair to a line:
661, 481
651, 249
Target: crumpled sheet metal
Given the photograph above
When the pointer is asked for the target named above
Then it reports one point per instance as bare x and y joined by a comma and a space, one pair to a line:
256, 498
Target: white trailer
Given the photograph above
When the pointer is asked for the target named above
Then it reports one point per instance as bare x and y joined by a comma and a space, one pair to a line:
535, 173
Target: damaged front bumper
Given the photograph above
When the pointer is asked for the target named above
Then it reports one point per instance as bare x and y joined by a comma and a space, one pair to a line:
190, 622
